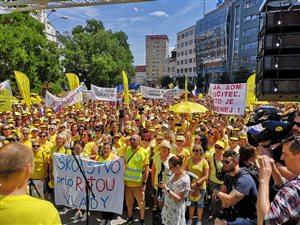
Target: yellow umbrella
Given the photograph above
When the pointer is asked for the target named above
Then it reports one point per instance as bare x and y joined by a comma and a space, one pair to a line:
188, 107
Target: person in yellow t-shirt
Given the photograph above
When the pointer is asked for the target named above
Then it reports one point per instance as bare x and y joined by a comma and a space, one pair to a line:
40, 168
180, 150
16, 207
198, 166
26, 137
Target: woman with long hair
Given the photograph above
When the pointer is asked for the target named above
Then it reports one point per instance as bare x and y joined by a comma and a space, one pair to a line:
106, 154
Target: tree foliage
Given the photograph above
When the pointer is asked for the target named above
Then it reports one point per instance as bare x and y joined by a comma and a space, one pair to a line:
24, 47
98, 55
241, 76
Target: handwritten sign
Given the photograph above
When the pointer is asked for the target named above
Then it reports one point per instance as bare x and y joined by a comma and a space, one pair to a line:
229, 98
104, 94
153, 93
106, 180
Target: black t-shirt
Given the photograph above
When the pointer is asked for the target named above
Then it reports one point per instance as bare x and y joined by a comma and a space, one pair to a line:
243, 183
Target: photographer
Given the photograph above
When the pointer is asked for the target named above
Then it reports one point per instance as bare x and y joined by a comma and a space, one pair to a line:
285, 207
238, 194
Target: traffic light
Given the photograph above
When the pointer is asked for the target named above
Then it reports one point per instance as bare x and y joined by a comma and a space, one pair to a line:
278, 58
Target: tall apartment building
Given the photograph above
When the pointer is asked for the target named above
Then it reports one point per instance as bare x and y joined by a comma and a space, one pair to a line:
211, 41
244, 26
157, 50
186, 55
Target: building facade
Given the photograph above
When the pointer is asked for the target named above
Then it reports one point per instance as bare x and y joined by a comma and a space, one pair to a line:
140, 75
211, 42
244, 26
171, 65
186, 54
157, 50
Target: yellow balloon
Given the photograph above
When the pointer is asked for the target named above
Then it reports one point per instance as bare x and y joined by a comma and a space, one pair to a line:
200, 96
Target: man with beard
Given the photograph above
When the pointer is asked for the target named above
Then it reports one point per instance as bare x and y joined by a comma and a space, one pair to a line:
136, 175
238, 193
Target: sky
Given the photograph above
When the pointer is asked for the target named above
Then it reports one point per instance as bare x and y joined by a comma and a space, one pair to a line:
160, 17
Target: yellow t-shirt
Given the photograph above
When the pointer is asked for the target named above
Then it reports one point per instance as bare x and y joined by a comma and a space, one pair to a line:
26, 210
111, 156
198, 169
40, 158
212, 175
28, 143
60, 150
185, 153
87, 150
47, 147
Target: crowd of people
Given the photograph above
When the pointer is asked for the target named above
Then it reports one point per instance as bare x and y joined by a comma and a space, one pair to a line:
177, 163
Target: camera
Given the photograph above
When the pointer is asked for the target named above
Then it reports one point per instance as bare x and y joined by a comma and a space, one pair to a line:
228, 214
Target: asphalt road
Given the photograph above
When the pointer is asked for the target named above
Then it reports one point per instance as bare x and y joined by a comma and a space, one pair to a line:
95, 218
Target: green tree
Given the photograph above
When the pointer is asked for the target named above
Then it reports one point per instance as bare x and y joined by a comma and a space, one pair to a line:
165, 81
24, 47
98, 55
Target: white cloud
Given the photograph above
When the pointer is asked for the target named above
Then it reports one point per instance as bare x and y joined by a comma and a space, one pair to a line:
136, 9
159, 14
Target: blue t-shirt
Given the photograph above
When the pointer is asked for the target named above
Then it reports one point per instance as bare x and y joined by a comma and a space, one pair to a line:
243, 183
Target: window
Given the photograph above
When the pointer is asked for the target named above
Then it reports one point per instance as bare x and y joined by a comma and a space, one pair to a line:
185, 70
177, 62
185, 61
182, 45
191, 32
182, 53
191, 42
190, 60
190, 51
251, 45
250, 32
178, 37
186, 52
181, 62
186, 43
190, 69
248, 4
247, 18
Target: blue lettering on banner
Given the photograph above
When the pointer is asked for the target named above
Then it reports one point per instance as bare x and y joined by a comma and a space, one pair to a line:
104, 201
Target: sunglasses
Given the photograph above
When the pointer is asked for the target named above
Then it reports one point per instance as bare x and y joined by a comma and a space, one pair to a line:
297, 123
132, 139
42, 136
295, 138
97, 131
35, 146
51, 128
225, 162
196, 150
25, 133
218, 147
179, 140
210, 133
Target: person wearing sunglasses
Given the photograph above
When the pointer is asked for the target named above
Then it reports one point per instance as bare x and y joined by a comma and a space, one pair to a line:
215, 183
26, 137
136, 175
40, 169
198, 166
238, 194
296, 127
285, 206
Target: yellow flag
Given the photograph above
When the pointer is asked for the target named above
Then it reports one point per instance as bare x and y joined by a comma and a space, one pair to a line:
250, 90
125, 88
23, 86
5, 100
186, 90
73, 83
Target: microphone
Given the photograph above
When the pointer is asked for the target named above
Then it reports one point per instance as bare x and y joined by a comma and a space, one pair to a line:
2, 138
67, 147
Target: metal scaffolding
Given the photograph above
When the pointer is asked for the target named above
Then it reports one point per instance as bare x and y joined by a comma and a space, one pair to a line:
8, 6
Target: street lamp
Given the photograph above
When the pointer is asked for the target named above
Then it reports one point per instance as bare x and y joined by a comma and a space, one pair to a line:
46, 18
58, 18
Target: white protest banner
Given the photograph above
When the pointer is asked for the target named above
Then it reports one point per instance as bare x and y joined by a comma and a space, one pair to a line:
6, 85
106, 180
169, 95
104, 94
72, 98
153, 93
229, 98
